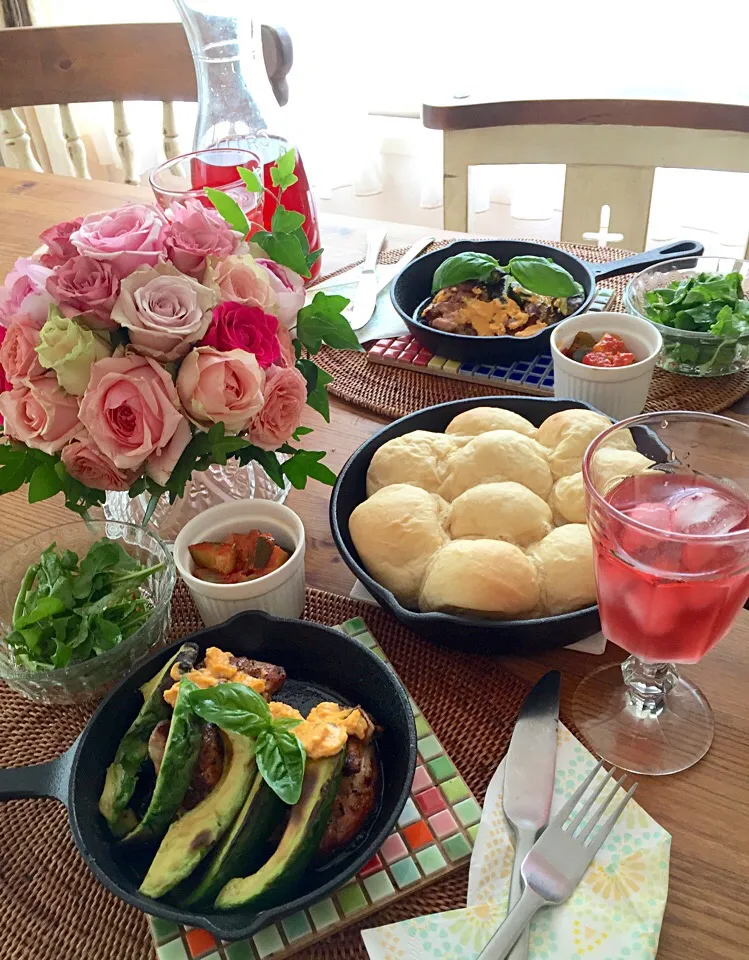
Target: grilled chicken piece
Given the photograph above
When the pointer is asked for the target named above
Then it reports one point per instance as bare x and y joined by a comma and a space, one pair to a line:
209, 766
274, 676
356, 797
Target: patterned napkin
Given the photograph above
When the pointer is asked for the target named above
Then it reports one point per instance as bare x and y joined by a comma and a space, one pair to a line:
615, 913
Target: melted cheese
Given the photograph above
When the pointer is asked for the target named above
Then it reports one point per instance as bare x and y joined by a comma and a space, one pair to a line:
327, 727
489, 318
218, 668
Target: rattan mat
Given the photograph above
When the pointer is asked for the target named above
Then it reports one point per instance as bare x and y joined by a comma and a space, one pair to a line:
51, 908
390, 392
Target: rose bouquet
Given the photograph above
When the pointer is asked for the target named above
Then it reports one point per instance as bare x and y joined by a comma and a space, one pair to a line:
142, 346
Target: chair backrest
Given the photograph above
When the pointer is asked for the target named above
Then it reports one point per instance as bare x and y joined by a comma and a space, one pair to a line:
610, 147
107, 62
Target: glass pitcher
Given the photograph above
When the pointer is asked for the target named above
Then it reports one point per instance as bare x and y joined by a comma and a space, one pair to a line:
236, 104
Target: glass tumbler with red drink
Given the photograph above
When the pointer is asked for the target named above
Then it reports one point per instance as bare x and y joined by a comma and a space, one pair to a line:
671, 547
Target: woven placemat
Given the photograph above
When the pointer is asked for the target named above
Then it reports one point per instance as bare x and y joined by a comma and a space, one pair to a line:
51, 908
391, 392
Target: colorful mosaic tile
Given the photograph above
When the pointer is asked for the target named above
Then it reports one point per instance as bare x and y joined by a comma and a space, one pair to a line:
435, 834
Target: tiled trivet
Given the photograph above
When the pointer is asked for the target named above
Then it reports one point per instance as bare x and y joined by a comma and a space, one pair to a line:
534, 376
435, 834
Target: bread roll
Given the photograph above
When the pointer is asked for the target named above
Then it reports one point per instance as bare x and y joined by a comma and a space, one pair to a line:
395, 532
415, 458
610, 466
499, 511
567, 499
485, 578
478, 420
564, 561
496, 456
568, 433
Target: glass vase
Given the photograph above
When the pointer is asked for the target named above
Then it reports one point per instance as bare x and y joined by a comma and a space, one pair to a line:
206, 488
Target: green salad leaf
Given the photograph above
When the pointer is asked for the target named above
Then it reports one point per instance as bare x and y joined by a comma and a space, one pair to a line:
67, 612
280, 756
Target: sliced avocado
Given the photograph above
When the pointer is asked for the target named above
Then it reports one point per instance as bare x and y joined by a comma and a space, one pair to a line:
297, 847
122, 773
190, 838
180, 754
241, 850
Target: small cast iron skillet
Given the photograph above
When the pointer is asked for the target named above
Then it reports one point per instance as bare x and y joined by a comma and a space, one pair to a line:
517, 637
322, 664
412, 289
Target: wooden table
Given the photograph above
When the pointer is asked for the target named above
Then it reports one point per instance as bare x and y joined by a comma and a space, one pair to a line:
704, 808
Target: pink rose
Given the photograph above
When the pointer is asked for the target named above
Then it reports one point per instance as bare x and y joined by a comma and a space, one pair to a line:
18, 354
85, 462
240, 279
285, 396
5, 383
57, 240
159, 466
286, 344
25, 291
288, 288
194, 232
41, 415
88, 288
130, 409
128, 237
164, 311
235, 326
217, 387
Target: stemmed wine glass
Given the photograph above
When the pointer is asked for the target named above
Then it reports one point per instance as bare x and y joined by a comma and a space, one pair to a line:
672, 571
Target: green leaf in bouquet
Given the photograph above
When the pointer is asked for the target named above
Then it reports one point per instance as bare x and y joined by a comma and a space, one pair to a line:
229, 210
284, 248
286, 221
282, 172
313, 257
306, 463
205, 448
44, 483
301, 432
322, 321
303, 241
267, 460
251, 180
317, 381
18, 466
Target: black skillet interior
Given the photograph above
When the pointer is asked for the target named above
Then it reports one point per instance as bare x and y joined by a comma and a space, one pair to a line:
322, 664
525, 637
412, 289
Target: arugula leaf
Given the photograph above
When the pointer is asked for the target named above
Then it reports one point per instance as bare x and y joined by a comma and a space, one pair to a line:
232, 706
322, 321
286, 221
285, 249
251, 180
306, 463
281, 760
45, 607
229, 210
282, 172
317, 394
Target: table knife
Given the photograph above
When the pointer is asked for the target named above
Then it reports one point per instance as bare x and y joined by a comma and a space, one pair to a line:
365, 296
386, 275
530, 766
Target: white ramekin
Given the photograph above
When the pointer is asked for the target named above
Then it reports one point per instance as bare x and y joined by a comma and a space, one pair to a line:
619, 392
280, 593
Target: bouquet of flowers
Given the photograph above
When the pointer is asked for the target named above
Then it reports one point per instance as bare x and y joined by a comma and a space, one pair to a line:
142, 346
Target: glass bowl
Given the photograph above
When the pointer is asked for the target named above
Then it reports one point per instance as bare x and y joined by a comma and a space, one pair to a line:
693, 353
83, 681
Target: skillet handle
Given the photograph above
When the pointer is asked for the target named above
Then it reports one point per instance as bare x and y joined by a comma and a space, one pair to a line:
682, 248
51, 779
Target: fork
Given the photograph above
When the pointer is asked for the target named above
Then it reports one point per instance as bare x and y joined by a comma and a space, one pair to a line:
558, 860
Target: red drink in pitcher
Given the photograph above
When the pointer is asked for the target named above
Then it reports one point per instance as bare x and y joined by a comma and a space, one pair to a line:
669, 587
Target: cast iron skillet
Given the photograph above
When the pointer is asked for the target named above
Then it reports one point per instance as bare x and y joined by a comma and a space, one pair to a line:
412, 289
322, 664
524, 637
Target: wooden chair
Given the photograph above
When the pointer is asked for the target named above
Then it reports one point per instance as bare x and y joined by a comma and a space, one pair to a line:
110, 62
611, 149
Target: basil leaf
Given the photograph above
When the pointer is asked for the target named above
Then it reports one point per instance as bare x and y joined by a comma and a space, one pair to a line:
229, 210
463, 266
285, 723
232, 706
251, 180
281, 760
542, 276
